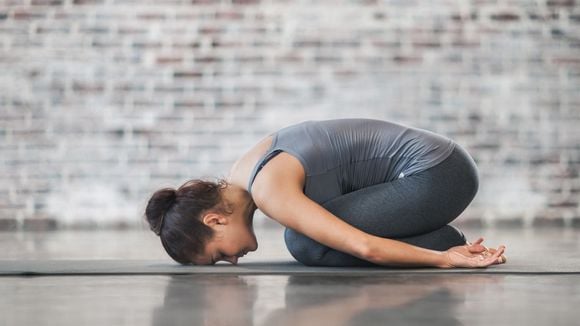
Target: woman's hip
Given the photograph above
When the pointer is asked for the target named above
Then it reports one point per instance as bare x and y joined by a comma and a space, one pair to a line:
456, 178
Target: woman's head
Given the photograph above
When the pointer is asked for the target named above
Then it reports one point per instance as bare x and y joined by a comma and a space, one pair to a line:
203, 222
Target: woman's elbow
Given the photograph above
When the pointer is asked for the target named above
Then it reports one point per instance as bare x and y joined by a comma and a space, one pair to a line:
364, 250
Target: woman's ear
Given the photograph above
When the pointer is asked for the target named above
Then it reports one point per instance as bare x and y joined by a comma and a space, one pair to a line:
213, 219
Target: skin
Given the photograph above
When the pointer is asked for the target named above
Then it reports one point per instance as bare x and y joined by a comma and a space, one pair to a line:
234, 234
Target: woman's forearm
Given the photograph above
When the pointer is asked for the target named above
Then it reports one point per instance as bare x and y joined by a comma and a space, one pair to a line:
391, 252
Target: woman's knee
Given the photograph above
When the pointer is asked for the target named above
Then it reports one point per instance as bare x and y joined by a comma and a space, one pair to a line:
304, 249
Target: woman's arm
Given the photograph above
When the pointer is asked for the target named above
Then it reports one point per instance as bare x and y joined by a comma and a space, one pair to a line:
293, 209
277, 192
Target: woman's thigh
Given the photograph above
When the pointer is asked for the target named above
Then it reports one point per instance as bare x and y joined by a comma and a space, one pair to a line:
312, 253
412, 205
414, 209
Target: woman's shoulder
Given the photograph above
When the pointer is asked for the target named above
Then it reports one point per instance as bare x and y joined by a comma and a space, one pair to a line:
242, 168
280, 170
283, 175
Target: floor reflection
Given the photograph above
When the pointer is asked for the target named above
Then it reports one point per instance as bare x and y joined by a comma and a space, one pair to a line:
207, 300
309, 300
393, 300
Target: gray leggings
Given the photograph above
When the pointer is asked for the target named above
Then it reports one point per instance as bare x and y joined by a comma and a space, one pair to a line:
414, 209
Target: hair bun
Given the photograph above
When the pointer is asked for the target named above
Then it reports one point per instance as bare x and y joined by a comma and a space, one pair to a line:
158, 206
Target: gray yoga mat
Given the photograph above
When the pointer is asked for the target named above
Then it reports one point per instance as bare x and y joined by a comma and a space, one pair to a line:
152, 267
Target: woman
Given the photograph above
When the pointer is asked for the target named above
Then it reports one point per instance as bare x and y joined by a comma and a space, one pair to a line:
350, 192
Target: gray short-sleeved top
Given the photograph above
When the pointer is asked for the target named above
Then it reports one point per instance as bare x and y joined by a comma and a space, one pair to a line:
344, 155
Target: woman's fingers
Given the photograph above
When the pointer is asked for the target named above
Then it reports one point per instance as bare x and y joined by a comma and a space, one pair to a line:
483, 262
502, 258
476, 247
475, 255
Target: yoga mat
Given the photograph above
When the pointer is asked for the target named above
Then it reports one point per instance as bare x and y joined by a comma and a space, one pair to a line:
523, 265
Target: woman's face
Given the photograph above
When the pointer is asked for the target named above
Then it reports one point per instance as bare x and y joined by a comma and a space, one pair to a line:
233, 234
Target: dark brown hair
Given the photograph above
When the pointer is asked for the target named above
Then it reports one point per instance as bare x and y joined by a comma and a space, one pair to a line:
175, 216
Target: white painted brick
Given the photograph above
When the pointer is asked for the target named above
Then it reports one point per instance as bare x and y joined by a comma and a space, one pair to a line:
126, 97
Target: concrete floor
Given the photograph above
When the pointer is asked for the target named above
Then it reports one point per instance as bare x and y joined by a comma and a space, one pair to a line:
394, 298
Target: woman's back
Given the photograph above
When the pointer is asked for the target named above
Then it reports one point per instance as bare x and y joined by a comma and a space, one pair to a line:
344, 155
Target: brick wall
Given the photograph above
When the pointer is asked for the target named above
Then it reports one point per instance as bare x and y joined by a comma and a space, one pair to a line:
102, 102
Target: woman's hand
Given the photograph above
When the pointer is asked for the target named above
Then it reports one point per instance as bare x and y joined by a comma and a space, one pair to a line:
473, 255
